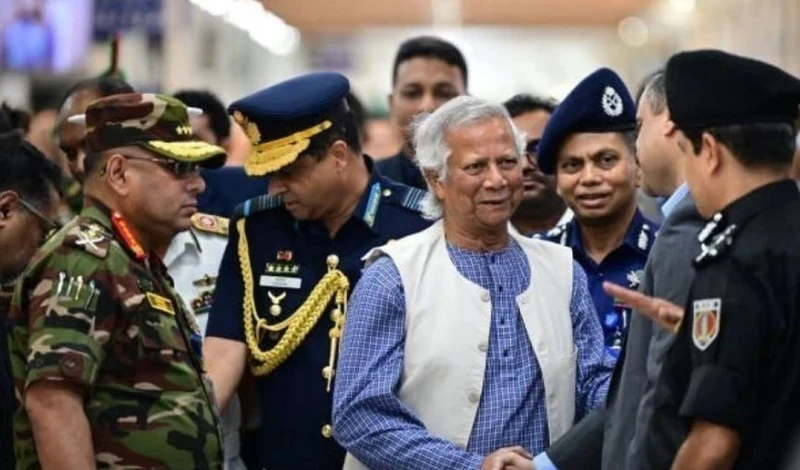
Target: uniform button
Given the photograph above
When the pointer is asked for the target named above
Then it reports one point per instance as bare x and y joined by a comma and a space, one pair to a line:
332, 261
485, 297
327, 431
387, 192
483, 347
474, 397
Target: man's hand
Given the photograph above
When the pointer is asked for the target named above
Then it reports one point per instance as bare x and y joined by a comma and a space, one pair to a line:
664, 313
508, 458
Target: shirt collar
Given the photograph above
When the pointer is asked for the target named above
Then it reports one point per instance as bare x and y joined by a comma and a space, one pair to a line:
181, 243
749, 205
672, 201
637, 236
367, 207
97, 211
366, 210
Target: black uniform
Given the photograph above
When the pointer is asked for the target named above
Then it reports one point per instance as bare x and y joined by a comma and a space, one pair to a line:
736, 360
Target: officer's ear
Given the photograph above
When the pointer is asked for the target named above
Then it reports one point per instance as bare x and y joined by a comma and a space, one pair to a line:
711, 154
340, 153
115, 173
9, 202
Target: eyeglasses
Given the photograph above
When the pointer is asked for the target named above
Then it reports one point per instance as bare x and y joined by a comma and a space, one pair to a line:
179, 169
530, 150
49, 226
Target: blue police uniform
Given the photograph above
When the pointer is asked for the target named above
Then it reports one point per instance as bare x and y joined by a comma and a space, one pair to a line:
623, 266
281, 265
600, 103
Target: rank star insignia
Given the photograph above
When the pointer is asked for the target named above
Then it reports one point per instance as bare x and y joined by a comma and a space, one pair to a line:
705, 322
282, 268
635, 278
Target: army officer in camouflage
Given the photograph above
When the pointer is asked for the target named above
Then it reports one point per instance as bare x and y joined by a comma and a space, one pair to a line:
105, 356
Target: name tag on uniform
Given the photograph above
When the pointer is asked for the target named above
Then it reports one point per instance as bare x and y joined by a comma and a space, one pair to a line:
280, 282
160, 303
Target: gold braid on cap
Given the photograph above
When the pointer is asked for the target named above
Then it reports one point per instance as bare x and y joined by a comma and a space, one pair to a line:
270, 156
333, 286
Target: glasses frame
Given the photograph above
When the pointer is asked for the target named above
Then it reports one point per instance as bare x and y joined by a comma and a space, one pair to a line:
178, 169
50, 226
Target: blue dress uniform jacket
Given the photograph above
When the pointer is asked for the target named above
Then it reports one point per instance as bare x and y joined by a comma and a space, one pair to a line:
623, 266
294, 401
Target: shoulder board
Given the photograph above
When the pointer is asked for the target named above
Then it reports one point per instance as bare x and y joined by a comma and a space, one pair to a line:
210, 223
257, 204
89, 237
405, 196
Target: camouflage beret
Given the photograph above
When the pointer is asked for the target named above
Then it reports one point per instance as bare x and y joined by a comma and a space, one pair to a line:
154, 122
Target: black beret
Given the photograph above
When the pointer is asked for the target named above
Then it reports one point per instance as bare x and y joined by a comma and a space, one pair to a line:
281, 120
599, 103
708, 88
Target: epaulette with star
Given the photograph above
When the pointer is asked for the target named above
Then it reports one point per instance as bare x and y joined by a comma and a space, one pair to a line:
90, 237
210, 223
715, 239
257, 204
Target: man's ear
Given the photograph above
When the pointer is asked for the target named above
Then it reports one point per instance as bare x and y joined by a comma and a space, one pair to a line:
432, 177
116, 175
669, 128
9, 203
711, 154
340, 153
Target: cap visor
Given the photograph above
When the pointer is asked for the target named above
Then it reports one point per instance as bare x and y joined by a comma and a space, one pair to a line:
193, 151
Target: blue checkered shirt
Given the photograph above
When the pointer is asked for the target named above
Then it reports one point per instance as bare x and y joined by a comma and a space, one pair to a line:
371, 422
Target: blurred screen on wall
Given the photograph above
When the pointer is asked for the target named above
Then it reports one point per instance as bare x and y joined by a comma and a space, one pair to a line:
44, 35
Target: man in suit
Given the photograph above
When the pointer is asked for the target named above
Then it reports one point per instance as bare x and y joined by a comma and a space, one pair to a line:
610, 438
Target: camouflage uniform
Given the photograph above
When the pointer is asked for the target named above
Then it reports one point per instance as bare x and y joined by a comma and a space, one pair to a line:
95, 310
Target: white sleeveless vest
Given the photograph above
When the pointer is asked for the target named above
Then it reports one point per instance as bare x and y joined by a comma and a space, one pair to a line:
447, 327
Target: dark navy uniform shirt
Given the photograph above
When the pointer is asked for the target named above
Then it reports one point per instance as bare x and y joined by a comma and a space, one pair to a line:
623, 266
735, 362
293, 398
402, 169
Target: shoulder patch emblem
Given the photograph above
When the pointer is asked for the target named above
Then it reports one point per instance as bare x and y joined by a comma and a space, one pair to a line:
90, 237
705, 322
257, 204
210, 223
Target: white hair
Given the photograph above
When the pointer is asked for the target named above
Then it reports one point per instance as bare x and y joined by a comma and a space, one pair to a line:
432, 150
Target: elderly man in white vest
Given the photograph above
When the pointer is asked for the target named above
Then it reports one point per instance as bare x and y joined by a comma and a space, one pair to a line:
466, 345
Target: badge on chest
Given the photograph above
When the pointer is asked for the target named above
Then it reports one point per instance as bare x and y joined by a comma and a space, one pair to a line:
282, 274
201, 303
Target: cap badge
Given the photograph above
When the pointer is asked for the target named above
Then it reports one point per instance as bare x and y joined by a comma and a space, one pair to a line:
612, 102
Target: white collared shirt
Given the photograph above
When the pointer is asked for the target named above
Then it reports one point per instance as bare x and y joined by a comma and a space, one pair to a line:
195, 272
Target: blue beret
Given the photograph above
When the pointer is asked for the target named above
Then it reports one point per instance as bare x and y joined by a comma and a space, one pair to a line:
600, 103
281, 120
708, 88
